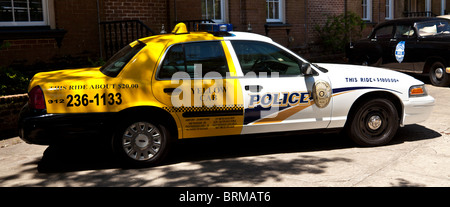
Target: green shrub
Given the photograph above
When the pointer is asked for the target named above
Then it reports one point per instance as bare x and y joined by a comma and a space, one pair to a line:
12, 82
339, 30
96, 63
5, 45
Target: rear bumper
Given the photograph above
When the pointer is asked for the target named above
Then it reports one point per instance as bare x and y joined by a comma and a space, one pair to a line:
418, 109
38, 127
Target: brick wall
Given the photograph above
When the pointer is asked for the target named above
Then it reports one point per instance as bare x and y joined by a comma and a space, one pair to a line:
79, 18
10, 107
152, 13
255, 15
318, 13
186, 10
296, 16
28, 51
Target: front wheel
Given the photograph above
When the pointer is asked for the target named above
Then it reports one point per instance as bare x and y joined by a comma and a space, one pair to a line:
141, 143
438, 75
375, 123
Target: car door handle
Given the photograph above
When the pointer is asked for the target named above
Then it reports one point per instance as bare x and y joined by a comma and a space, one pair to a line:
169, 90
393, 40
172, 91
253, 88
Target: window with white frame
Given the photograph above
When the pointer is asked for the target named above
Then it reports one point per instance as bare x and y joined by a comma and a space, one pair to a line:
23, 12
214, 9
367, 10
443, 7
389, 9
428, 7
274, 10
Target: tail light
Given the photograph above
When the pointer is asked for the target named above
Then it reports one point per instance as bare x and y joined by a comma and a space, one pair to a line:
37, 100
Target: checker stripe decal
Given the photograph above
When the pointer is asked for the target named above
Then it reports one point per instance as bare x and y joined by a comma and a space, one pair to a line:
235, 110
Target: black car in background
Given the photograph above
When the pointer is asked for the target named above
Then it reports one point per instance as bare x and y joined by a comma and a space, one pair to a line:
414, 45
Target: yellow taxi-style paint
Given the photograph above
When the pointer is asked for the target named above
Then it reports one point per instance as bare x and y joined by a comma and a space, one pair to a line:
96, 95
207, 107
204, 106
88, 90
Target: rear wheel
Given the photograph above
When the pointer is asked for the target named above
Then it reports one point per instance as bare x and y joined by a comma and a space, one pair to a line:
141, 143
438, 76
374, 123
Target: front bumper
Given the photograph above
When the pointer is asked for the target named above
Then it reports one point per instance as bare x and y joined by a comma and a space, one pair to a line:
417, 109
38, 127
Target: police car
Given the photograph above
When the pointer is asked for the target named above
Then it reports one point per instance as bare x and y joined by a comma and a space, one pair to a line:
414, 45
214, 83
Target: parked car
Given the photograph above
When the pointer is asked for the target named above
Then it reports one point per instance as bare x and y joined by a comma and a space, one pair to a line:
205, 84
414, 45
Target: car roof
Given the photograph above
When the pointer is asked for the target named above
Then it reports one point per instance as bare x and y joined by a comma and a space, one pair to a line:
171, 39
410, 20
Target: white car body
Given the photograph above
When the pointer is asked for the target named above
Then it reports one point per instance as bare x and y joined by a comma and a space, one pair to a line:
348, 84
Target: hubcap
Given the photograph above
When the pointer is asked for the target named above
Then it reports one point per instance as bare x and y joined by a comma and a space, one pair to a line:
439, 72
374, 122
141, 141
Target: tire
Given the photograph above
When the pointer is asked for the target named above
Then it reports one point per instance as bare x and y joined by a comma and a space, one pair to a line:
438, 76
375, 123
141, 143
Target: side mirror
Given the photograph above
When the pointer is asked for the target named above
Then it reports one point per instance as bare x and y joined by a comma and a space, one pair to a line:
305, 68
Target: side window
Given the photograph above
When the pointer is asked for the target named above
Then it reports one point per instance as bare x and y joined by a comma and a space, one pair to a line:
384, 32
209, 54
404, 31
173, 62
183, 57
24, 12
261, 57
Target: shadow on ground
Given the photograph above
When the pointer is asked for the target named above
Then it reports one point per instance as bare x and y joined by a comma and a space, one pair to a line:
82, 164
92, 156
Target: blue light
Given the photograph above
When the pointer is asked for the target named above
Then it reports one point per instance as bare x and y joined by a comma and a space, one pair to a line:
214, 27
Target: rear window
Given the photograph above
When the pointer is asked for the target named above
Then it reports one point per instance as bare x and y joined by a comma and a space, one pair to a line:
117, 62
435, 27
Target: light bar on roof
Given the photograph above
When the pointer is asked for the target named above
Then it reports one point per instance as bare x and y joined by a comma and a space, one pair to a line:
214, 27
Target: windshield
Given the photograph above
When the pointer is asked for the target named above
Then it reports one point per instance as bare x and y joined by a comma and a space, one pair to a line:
435, 27
117, 62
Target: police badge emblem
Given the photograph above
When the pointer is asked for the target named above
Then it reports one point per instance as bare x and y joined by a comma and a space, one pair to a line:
321, 93
400, 51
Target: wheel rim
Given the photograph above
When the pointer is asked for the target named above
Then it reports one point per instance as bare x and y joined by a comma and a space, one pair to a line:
374, 122
439, 73
142, 141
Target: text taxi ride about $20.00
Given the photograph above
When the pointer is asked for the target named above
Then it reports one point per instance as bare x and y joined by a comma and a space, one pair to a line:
215, 82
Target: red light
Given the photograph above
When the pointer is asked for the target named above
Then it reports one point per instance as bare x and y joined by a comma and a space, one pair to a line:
37, 100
